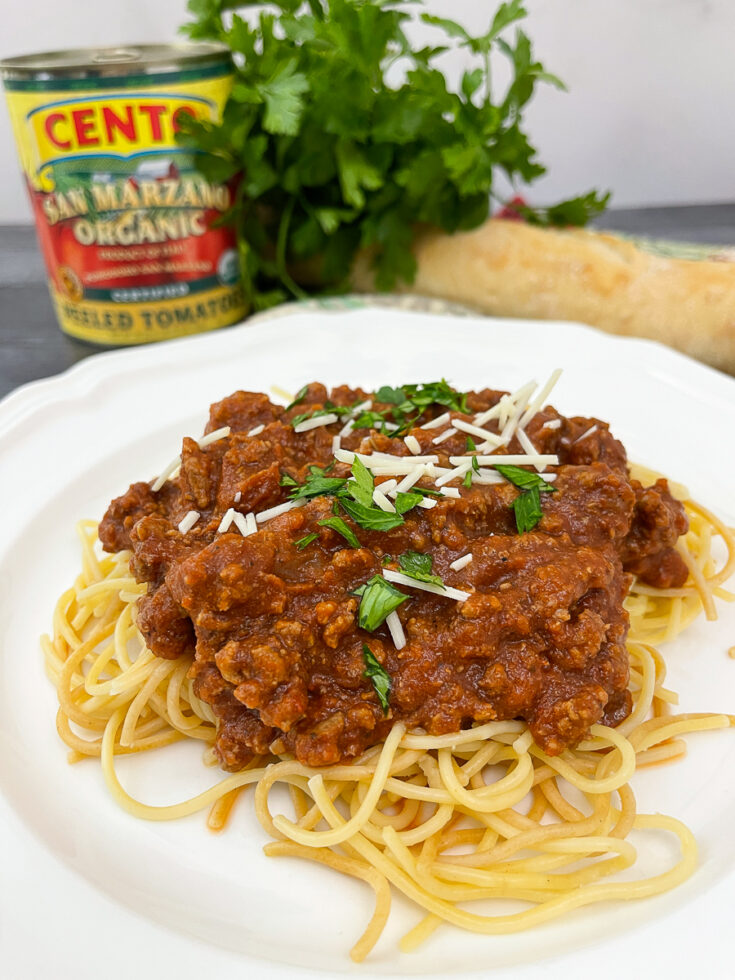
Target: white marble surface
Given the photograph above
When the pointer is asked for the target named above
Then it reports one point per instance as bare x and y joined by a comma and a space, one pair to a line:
648, 115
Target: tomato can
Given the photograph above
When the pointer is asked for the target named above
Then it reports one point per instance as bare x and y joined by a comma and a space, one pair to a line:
132, 232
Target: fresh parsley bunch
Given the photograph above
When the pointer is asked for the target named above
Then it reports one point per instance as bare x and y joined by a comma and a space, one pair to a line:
335, 159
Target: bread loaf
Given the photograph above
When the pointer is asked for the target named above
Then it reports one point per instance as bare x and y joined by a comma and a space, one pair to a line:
509, 268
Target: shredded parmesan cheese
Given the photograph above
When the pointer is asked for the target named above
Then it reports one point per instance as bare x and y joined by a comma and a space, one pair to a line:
540, 398
336, 443
461, 563
495, 412
396, 630
438, 422
160, 480
408, 481
519, 399
189, 521
414, 446
241, 524
266, 515
455, 474
316, 423
585, 434
282, 393
450, 492
513, 459
175, 463
413, 583
552, 424
486, 478
387, 486
528, 446
382, 501
445, 435
490, 438
238, 497
256, 431
214, 436
227, 519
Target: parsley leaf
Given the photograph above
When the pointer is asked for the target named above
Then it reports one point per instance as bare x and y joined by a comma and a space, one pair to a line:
306, 540
338, 525
379, 677
336, 156
469, 445
427, 493
370, 420
436, 393
361, 488
371, 518
287, 481
524, 479
527, 509
317, 485
575, 212
407, 501
419, 566
467, 482
378, 599
527, 505
300, 396
282, 97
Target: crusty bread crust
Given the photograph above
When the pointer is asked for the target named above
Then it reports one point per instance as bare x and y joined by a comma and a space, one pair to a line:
509, 268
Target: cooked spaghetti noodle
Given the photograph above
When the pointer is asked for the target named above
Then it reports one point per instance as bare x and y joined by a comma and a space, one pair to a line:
447, 820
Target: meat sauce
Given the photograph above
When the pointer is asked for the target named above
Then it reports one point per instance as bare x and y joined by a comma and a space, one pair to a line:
273, 628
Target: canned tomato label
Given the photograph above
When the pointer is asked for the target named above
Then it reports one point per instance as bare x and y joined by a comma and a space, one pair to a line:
127, 223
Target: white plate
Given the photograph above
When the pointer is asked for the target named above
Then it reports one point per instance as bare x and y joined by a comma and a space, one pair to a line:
88, 891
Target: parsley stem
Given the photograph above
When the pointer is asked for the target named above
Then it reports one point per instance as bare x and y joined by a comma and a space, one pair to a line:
281, 245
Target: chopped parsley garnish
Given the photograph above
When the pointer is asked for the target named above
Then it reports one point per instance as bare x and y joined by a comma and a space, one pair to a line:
371, 518
467, 482
378, 676
475, 464
370, 420
408, 403
338, 525
527, 509
469, 444
436, 393
394, 396
378, 599
524, 479
305, 541
407, 501
527, 505
362, 487
316, 485
418, 566
354, 497
300, 396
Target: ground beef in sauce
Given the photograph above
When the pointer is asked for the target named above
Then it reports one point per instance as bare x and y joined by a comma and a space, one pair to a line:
273, 628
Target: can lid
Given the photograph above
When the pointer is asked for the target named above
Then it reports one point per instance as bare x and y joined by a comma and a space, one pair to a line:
129, 59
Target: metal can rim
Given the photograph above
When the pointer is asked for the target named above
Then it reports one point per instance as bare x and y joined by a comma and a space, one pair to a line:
119, 61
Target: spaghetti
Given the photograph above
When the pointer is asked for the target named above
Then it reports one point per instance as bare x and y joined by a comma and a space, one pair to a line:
448, 820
